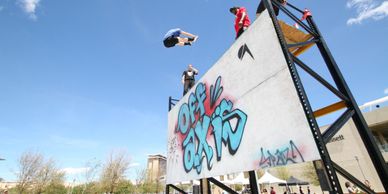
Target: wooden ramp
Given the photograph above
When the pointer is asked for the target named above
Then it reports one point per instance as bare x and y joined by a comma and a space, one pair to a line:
294, 36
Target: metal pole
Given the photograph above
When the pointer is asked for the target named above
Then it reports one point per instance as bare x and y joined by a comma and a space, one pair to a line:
169, 103
209, 188
360, 167
253, 182
167, 189
201, 186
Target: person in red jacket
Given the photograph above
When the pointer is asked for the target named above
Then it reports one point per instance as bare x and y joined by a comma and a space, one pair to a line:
242, 21
272, 191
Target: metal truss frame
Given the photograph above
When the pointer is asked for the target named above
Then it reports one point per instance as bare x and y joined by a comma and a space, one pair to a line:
341, 90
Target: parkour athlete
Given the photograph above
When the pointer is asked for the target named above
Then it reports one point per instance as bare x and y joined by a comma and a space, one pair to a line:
173, 38
188, 79
261, 7
242, 21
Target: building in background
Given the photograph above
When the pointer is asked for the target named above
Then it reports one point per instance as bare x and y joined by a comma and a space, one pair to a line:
7, 185
347, 149
156, 167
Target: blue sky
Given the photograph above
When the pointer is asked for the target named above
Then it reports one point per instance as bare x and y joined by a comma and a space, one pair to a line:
79, 79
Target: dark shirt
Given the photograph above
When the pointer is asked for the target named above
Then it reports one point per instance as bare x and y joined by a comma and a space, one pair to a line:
189, 75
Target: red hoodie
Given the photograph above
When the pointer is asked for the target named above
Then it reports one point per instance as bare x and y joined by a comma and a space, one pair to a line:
246, 21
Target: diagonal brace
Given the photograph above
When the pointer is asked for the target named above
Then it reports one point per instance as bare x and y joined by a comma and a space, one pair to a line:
337, 125
177, 188
222, 186
319, 78
351, 178
293, 17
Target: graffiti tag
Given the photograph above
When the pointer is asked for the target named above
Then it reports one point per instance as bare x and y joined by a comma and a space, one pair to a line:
197, 120
290, 154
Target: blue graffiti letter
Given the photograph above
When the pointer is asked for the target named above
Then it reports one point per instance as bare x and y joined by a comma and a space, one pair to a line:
183, 119
222, 129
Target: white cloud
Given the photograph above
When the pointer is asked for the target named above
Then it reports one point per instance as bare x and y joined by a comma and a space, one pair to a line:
29, 6
73, 171
367, 9
386, 91
134, 165
1, 8
359, 4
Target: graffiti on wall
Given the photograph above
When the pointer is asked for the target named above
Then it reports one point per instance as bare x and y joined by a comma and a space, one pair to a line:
282, 156
173, 145
208, 114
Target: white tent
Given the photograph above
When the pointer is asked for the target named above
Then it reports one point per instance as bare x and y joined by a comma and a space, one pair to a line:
269, 179
191, 182
227, 181
240, 179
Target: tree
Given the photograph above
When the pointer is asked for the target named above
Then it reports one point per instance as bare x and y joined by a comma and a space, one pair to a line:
260, 173
48, 174
283, 172
141, 176
310, 173
125, 187
56, 188
36, 174
90, 174
114, 171
28, 164
144, 183
92, 187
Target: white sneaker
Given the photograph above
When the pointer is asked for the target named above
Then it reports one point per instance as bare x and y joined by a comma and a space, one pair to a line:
195, 38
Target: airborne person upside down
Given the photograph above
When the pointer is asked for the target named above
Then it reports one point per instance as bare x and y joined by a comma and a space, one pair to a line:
173, 37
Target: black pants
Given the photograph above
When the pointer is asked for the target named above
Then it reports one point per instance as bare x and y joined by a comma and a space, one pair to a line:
240, 32
189, 83
261, 7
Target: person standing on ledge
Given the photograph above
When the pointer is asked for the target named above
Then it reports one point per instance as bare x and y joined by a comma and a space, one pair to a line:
173, 37
242, 21
188, 79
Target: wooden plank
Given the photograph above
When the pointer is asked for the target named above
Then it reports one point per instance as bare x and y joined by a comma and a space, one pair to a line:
329, 109
293, 35
302, 49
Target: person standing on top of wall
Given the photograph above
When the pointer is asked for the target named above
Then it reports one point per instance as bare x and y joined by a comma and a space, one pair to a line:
261, 7
188, 79
242, 21
173, 37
